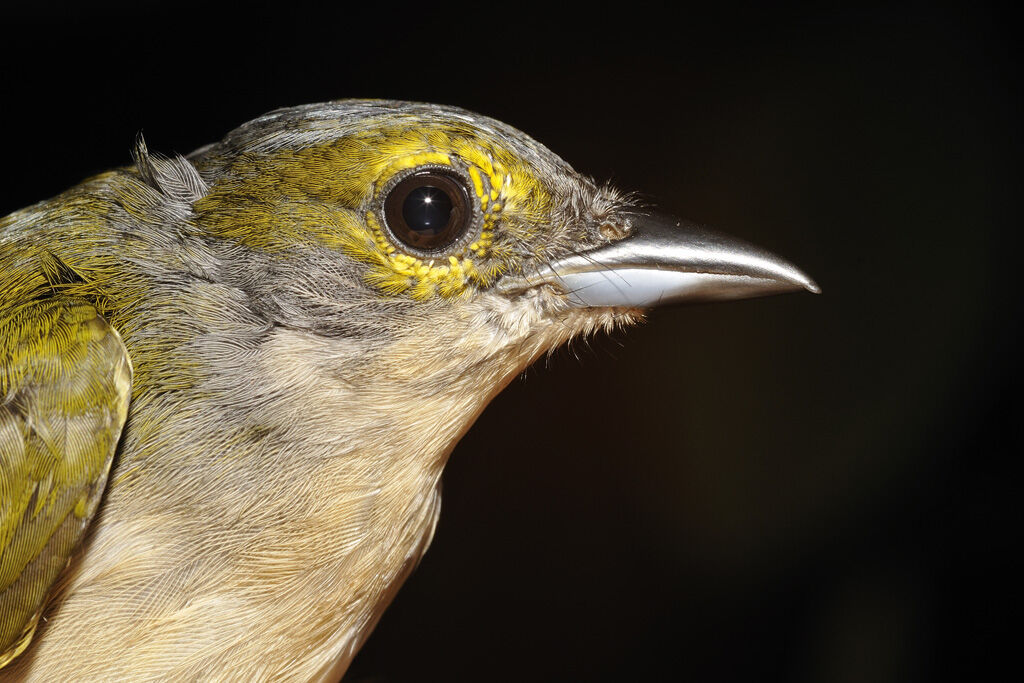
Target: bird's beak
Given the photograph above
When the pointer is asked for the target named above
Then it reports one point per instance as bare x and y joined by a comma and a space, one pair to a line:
664, 260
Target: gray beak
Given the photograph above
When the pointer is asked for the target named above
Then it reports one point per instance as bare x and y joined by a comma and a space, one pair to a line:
665, 260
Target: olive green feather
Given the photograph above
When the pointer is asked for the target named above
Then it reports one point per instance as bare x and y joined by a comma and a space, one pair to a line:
65, 383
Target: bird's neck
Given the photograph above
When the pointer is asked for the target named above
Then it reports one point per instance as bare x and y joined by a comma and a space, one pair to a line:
273, 546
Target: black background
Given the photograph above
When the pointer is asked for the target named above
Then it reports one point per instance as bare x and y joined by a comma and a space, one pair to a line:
802, 488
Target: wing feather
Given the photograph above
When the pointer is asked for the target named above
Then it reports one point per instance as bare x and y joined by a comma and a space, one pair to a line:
65, 384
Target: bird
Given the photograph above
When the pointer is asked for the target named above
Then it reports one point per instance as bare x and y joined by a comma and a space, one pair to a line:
230, 381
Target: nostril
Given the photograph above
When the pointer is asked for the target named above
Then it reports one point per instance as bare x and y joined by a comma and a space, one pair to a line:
614, 231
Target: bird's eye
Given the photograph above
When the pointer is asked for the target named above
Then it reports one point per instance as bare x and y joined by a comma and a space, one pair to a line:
428, 210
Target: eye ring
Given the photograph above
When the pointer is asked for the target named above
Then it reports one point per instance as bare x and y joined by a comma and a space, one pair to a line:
428, 210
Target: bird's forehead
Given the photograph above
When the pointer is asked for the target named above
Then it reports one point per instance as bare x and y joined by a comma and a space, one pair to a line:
318, 124
362, 139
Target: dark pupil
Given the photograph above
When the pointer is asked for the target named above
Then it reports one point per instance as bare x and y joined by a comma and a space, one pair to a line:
426, 210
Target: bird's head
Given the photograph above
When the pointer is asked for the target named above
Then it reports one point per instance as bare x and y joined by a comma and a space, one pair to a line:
424, 255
